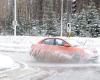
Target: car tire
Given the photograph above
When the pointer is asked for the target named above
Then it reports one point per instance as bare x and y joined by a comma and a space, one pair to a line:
76, 58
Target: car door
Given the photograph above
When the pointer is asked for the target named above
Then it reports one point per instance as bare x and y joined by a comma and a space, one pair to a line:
47, 43
53, 49
62, 48
62, 45
46, 49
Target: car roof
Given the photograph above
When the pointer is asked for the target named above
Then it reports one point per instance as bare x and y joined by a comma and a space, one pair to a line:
68, 40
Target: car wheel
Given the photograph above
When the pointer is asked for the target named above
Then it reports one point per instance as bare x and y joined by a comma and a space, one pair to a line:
76, 58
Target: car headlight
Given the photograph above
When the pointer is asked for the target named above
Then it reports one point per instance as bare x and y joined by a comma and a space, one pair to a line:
89, 54
88, 51
95, 51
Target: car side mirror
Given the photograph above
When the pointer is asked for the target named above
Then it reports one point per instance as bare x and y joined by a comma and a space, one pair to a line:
66, 45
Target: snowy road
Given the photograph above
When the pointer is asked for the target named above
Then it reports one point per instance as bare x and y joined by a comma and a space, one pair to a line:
48, 71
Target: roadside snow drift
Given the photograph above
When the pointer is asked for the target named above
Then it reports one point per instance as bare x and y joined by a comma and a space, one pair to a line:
6, 62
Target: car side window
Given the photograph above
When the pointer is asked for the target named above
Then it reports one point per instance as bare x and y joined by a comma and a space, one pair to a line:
49, 41
60, 42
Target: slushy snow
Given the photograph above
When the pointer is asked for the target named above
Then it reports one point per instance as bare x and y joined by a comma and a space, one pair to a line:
6, 62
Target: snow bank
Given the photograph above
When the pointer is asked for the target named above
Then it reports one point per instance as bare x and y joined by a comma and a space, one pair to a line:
6, 62
17, 43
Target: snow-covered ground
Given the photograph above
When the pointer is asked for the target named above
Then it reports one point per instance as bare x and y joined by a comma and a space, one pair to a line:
7, 63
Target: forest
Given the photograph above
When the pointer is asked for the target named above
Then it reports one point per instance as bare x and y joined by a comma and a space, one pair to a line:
42, 18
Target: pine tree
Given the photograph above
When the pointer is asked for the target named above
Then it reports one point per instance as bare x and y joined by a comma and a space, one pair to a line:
86, 23
49, 17
93, 19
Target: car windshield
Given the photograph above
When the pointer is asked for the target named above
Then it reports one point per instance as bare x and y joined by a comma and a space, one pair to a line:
73, 43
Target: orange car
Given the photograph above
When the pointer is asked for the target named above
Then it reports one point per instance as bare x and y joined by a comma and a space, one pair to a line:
60, 50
